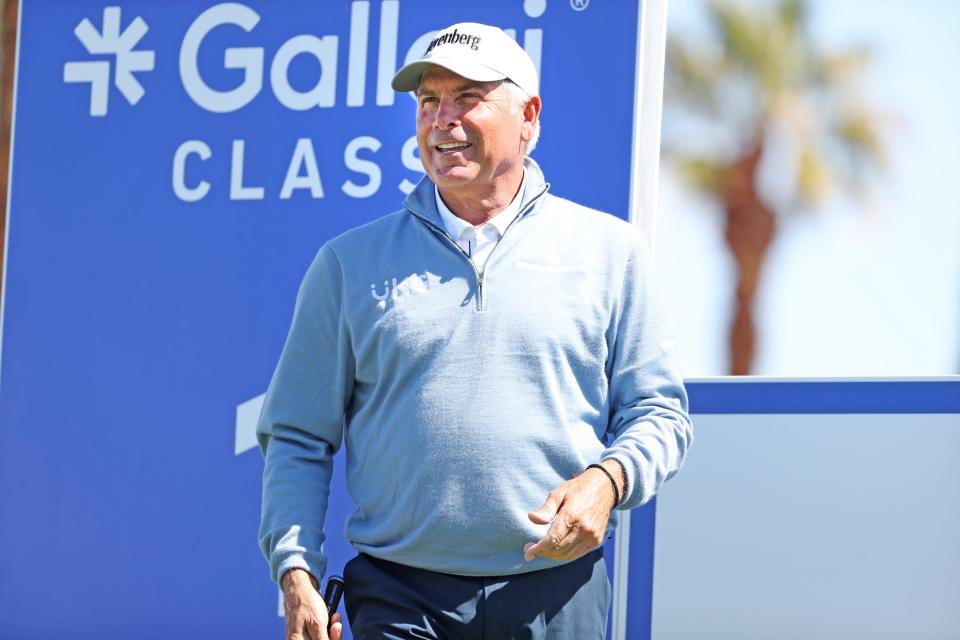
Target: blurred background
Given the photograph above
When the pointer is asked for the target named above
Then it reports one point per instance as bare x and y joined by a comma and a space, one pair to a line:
808, 221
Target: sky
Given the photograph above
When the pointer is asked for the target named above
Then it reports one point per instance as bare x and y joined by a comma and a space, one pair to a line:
859, 288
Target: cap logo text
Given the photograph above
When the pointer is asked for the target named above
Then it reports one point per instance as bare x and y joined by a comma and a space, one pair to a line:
454, 37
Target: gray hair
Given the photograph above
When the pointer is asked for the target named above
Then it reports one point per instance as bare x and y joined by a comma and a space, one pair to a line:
520, 98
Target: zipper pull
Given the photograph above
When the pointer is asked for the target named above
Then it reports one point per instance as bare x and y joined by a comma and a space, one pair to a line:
480, 290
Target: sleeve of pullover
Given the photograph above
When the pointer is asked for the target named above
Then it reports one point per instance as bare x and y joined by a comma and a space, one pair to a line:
649, 422
301, 424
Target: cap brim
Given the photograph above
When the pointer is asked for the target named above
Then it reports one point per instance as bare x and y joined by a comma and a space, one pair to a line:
408, 77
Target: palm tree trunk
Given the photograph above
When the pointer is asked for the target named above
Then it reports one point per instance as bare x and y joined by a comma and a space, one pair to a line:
750, 227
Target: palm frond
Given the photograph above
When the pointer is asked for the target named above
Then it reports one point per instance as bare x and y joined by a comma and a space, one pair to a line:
704, 173
691, 76
813, 176
766, 74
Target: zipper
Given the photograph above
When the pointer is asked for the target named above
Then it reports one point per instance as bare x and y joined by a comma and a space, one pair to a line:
478, 275
440, 231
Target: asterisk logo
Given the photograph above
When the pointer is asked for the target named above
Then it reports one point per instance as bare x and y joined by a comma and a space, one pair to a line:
110, 41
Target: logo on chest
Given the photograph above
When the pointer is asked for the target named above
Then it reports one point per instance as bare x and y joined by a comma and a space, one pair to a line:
415, 283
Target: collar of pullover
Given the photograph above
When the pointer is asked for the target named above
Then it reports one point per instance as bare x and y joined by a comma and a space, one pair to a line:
422, 201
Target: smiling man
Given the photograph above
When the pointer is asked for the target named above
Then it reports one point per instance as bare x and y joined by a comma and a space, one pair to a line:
498, 364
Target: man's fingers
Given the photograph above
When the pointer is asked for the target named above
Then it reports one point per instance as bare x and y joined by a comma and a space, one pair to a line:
559, 538
531, 550
560, 529
581, 547
296, 634
569, 543
547, 546
545, 513
574, 525
317, 629
294, 624
559, 543
306, 617
336, 626
305, 625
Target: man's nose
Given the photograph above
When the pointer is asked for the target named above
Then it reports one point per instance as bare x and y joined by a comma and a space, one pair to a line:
448, 115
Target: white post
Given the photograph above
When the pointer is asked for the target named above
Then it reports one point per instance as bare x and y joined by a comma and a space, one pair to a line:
644, 175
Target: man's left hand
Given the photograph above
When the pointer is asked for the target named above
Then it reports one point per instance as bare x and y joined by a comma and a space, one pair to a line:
579, 509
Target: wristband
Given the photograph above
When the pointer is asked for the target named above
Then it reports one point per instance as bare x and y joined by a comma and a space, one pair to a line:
613, 483
623, 476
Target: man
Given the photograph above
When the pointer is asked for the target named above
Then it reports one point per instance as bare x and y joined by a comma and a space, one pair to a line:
474, 351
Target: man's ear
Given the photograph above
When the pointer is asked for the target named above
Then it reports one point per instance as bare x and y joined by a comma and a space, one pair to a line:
531, 113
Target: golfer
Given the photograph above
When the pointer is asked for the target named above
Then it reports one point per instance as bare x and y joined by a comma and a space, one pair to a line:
499, 366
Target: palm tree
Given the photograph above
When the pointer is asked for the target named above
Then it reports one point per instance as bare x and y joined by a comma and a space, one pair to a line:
760, 92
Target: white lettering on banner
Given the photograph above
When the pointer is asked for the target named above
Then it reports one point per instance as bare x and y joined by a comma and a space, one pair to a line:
304, 156
302, 171
323, 48
387, 61
370, 169
324, 93
357, 62
410, 157
237, 190
250, 59
533, 45
185, 193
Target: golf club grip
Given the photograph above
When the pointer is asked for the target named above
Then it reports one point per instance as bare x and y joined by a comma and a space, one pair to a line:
332, 594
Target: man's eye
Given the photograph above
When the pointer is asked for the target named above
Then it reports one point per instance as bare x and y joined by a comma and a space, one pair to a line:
424, 100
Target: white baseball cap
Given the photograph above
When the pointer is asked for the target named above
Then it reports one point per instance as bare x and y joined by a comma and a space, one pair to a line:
474, 51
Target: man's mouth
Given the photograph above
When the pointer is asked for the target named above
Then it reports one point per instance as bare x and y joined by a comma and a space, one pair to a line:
451, 147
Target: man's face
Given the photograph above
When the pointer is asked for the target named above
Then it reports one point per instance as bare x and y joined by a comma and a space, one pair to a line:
469, 132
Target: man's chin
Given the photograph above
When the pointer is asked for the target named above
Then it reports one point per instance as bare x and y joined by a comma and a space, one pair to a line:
453, 178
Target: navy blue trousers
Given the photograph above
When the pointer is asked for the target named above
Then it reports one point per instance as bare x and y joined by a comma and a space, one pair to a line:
388, 600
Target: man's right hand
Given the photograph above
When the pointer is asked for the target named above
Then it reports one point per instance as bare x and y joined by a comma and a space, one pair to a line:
305, 611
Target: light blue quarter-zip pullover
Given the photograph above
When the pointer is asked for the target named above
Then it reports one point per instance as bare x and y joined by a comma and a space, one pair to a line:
465, 396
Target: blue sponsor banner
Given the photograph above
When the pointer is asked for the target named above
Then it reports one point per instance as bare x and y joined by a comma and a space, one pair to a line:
749, 395
176, 165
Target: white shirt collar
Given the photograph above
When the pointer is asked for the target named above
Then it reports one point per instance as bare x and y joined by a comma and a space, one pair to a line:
455, 225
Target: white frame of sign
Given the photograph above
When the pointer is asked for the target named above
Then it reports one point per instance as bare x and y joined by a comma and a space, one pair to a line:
644, 176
